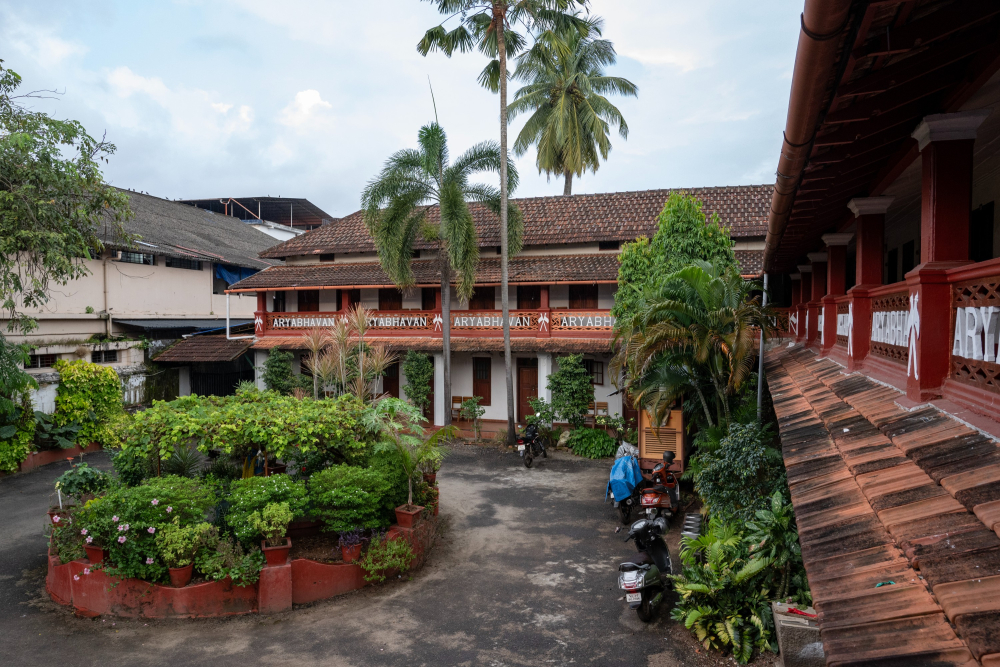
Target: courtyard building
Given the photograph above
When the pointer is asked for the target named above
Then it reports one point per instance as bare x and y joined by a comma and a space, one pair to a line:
561, 291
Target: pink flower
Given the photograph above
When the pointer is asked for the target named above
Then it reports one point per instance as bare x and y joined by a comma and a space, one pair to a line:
126, 526
89, 539
86, 570
56, 519
149, 561
169, 510
114, 519
83, 532
121, 527
150, 530
155, 502
121, 540
76, 577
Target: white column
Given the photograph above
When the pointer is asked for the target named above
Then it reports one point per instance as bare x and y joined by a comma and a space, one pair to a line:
544, 371
439, 406
260, 356
184, 385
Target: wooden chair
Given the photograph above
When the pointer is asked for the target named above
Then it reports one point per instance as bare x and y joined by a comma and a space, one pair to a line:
456, 406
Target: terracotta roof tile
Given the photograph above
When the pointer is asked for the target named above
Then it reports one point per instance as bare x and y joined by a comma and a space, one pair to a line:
612, 216
203, 348
530, 269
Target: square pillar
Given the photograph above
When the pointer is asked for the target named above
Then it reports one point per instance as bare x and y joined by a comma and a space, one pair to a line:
345, 300
544, 371
869, 214
818, 260
793, 311
439, 406
803, 309
261, 301
836, 283
945, 142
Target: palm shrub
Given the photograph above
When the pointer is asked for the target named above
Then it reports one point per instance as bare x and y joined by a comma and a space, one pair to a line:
565, 91
773, 535
724, 594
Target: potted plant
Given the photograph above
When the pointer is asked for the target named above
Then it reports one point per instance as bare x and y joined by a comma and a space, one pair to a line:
272, 522
177, 546
81, 482
350, 545
430, 463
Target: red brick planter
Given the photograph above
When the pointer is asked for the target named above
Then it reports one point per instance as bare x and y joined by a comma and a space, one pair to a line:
54, 455
93, 593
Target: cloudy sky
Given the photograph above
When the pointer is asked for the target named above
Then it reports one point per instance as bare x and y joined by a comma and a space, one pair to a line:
306, 98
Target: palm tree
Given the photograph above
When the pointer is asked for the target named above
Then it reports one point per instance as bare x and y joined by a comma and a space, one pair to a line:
566, 90
396, 203
487, 25
697, 327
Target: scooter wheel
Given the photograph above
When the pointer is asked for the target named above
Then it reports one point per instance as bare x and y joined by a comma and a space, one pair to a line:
527, 459
625, 512
645, 610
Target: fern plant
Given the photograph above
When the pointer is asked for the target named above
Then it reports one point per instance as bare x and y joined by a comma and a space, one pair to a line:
724, 593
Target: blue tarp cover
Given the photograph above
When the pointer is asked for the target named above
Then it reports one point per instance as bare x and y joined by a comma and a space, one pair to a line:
625, 476
233, 274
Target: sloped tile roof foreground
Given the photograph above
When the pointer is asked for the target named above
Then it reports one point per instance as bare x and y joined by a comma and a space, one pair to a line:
541, 269
885, 495
204, 348
423, 344
611, 216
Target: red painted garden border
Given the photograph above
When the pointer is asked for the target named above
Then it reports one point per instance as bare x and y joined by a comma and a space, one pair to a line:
92, 593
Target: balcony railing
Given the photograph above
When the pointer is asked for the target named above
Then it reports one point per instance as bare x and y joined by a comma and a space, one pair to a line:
536, 323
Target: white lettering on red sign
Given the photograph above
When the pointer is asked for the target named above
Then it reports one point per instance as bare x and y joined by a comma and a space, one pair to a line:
976, 333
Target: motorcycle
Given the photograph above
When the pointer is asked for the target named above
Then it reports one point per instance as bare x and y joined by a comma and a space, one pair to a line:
529, 445
662, 494
625, 482
644, 577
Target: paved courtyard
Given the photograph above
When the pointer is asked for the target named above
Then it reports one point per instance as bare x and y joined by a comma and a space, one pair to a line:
524, 573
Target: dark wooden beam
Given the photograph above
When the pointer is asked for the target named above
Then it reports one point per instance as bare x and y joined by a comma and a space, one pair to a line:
848, 133
876, 142
929, 28
908, 93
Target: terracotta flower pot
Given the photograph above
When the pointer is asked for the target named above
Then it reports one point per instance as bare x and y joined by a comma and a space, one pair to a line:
407, 517
56, 512
276, 555
430, 477
94, 554
351, 554
181, 576
437, 506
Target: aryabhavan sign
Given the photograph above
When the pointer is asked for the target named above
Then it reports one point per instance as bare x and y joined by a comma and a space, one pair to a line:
423, 321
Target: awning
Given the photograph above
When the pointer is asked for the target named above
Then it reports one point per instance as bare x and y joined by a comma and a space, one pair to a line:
203, 348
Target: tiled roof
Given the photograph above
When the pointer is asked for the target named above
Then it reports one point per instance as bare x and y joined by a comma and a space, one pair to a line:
613, 216
165, 227
458, 344
885, 495
751, 262
539, 269
204, 348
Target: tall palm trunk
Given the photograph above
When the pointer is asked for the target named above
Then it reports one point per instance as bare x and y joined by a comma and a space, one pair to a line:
446, 332
568, 187
502, 57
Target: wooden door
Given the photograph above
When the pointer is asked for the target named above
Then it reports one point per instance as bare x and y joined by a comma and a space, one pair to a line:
390, 381
582, 297
390, 298
527, 388
482, 379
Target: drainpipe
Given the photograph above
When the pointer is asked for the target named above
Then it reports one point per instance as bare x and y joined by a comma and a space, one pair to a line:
822, 22
228, 335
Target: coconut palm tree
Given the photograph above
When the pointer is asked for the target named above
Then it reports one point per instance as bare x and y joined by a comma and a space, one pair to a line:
566, 91
492, 27
396, 205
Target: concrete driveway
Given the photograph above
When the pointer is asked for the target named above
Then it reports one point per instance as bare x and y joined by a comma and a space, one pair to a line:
524, 573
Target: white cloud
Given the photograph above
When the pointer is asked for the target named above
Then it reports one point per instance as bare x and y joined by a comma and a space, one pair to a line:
221, 107
307, 107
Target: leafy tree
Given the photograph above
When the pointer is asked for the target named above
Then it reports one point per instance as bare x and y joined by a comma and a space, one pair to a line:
396, 207
566, 88
419, 373
489, 26
684, 235
572, 389
90, 395
742, 475
278, 371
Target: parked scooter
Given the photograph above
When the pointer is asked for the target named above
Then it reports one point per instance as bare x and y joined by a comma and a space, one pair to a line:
626, 481
662, 495
644, 577
529, 445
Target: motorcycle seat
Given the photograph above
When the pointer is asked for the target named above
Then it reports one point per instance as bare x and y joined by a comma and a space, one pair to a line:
640, 560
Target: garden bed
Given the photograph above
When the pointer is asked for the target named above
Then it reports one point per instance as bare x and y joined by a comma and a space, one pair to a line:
93, 593
47, 456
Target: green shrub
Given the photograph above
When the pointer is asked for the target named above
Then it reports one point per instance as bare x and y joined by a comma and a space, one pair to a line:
253, 494
592, 443
17, 437
742, 474
384, 556
272, 522
81, 480
178, 544
572, 389
348, 497
419, 373
51, 435
91, 396
219, 557
132, 466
